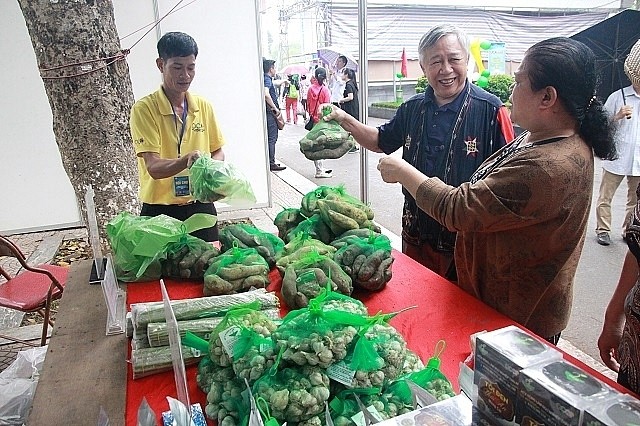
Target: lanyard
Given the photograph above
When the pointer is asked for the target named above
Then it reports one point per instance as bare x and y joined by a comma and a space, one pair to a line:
185, 107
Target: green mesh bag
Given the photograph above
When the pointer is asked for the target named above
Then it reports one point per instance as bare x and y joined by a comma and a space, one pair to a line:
242, 235
314, 227
236, 270
286, 220
368, 260
320, 333
326, 140
188, 258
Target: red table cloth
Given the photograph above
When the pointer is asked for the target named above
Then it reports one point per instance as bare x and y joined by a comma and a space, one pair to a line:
442, 312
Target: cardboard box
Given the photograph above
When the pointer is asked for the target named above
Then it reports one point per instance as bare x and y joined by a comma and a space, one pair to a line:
499, 357
454, 411
556, 393
622, 410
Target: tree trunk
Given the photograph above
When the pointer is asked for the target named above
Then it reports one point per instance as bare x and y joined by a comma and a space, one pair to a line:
90, 101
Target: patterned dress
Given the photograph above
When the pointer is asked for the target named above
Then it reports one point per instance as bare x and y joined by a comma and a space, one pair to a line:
629, 349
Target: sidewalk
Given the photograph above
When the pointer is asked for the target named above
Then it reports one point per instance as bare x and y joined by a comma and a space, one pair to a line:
287, 188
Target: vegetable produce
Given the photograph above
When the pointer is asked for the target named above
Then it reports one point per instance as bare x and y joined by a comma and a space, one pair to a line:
214, 180
286, 220
327, 140
314, 227
148, 361
368, 261
266, 244
158, 334
201, 307
237, 341
294, 394
305, 278
188, 258
224, 400
236, 270
319, 334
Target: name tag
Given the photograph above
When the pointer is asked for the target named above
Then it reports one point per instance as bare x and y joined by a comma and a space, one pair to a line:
181, 186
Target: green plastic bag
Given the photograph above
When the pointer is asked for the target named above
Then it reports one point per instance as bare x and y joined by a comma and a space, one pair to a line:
243, 235
344, 406
188, 258
214, 180
139, 243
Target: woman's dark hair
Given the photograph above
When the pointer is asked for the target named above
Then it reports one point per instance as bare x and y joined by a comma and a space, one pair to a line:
569, 66
351, 74
176, 45
321, 75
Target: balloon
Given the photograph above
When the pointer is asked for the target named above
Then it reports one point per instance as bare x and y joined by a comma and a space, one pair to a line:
485, 73
475, 52
485, 45
399, 75
483, 81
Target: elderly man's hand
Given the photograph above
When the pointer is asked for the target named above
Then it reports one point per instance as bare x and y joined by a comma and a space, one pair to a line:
392, 169
336, 113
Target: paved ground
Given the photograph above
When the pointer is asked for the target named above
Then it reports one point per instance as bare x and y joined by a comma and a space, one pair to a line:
597, 274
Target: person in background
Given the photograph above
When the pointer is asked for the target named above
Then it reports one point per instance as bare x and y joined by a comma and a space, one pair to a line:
317, 95
521, 219
619, 342
336, 82
304, 88
624, 108
446, 132
349, 102
273, 111
170, 129
291, 103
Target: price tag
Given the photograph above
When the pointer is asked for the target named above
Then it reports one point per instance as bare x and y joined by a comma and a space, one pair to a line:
358, 418
229, 337
341, 373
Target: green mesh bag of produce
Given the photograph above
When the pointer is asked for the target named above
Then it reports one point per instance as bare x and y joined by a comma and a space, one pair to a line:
245, 235
223, 338
214, 180
326, 140
139, 243
188, 258
286, 220
236, 270
368, 261
292, 394
347, 406
314, 227
320, 333
429, 378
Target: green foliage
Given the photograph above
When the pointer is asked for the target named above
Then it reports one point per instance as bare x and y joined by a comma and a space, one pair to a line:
390, 105
500, 85
422, 84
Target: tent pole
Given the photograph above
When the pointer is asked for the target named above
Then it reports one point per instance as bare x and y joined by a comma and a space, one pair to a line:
362, 74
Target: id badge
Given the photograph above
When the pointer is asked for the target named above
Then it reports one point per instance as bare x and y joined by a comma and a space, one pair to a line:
181, 186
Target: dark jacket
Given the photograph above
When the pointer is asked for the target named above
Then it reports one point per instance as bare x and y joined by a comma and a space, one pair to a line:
482, 126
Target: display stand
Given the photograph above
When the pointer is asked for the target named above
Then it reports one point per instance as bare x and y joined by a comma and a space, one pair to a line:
115, 300
99, 262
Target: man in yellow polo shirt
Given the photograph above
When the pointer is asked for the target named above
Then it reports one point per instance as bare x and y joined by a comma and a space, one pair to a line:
170, 129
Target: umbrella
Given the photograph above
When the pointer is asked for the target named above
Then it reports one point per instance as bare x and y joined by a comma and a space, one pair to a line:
294, 69
611, 40
329, 55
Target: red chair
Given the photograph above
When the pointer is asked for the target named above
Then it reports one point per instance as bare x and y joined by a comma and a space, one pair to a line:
30, 290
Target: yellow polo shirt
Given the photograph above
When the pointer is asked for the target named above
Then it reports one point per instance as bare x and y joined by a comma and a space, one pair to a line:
155, 128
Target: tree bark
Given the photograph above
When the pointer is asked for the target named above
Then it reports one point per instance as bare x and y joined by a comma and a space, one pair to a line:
90, 101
